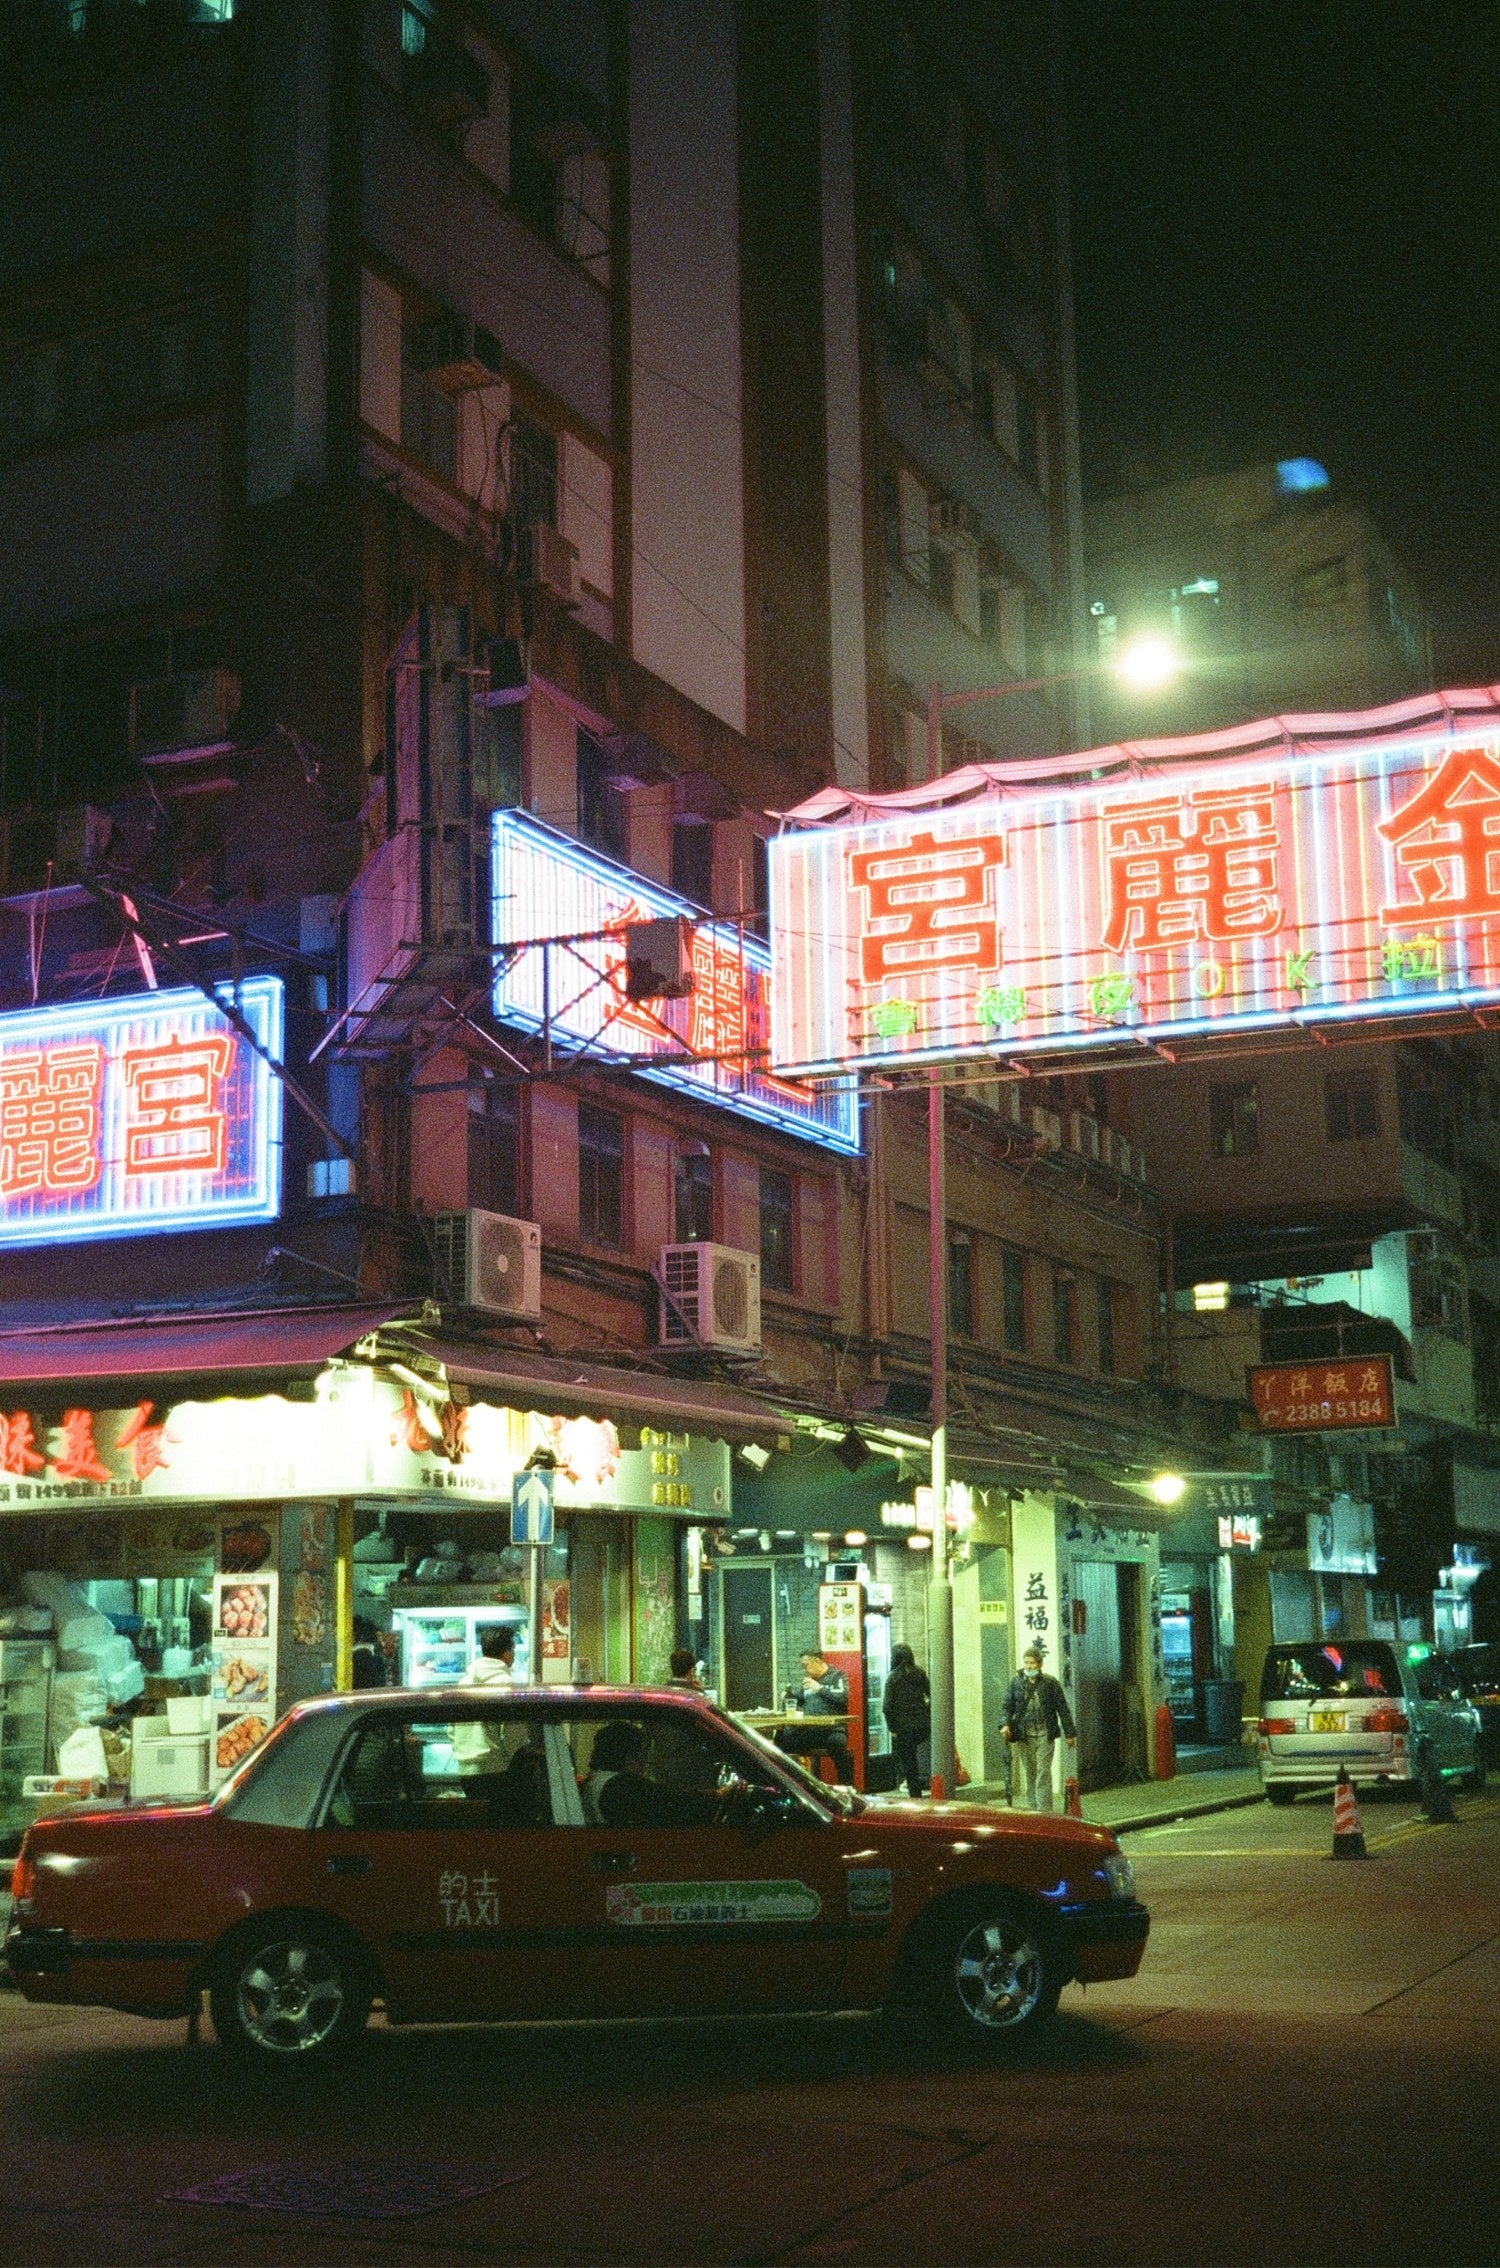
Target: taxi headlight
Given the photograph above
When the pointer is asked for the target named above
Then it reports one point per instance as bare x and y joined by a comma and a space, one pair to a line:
1119, 1874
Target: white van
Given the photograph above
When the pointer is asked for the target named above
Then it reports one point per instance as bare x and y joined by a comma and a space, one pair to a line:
1379, 1710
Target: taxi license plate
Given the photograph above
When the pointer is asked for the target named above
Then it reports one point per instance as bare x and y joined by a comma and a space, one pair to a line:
1328, 1720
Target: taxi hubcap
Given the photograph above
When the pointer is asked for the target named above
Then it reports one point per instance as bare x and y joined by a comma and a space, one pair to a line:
290, 1997
999, 1974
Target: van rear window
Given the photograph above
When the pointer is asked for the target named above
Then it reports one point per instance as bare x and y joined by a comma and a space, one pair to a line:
1301, 1673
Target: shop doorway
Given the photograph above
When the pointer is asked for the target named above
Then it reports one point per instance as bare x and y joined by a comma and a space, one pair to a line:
749, 1638
1106, 1669
599, 1566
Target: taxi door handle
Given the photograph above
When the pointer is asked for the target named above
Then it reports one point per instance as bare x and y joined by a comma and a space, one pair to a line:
614, 1862
349, 1862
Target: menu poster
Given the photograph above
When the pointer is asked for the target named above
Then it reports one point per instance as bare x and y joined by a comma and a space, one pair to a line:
243, 1683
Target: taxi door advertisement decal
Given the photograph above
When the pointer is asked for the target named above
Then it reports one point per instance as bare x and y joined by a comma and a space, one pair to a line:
634, 1904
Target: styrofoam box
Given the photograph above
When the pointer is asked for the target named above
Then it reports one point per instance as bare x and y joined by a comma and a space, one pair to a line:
190, 1714
168, 1767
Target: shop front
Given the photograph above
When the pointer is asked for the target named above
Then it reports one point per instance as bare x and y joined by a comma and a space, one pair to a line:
1087, 1590
177, 1571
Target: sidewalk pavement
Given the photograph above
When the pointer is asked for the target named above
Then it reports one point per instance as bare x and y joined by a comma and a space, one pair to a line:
1146, 1803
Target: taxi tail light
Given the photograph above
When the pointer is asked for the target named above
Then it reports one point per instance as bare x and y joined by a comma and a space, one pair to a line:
1278, 1724
1387, 1720
23, 1879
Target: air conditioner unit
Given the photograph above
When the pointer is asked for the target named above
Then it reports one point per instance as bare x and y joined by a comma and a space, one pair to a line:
1046, 1125
548, 561
458, 355
1083, 1135
659, 959
191, 709
710, 1297
951, 516
489, 1261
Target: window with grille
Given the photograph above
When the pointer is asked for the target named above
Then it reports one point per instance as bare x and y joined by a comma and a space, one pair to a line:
601, 1175
693, 1197
778, 1230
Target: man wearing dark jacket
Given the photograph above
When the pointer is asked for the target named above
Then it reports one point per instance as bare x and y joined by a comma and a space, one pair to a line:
1036, 1713
907, 1707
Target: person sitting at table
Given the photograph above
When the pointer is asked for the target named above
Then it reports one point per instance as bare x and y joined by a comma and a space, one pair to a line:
825, 1693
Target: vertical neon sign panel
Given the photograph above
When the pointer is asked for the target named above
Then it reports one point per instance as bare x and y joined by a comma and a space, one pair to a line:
139, 1115
567, 910
1217, 897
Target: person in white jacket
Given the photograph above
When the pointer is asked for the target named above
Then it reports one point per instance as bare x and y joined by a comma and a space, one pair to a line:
481, 1749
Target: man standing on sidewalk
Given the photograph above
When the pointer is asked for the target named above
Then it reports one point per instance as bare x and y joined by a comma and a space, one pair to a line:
1036, 1714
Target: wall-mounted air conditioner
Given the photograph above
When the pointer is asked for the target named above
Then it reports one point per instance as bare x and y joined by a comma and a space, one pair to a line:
710, 1297
489, 1261
191, 709
459, 355
1083, 1135
548, 561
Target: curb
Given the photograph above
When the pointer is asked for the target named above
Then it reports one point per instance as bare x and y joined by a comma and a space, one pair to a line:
1199, 1810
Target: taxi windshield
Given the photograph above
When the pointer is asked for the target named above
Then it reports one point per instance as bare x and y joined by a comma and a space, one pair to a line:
841, 1802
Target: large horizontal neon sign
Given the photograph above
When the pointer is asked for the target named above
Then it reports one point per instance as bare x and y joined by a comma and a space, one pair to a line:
709, 1044
133, 1116
1216, 897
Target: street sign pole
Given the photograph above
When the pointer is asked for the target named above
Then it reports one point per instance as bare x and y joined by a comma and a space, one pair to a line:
940, 1596
534, 1611
532, 1514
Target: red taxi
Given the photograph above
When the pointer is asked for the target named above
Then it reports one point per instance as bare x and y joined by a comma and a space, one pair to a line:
556, 1853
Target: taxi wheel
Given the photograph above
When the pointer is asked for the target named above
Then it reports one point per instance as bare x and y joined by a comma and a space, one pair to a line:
291, 1992
990, 1974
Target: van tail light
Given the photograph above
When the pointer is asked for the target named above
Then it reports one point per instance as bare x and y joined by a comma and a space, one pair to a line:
1387, 1720
23, 1879
1278, 1724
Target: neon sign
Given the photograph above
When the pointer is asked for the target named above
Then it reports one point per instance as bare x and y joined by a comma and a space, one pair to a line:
139, 1115
567, 910
1211, 898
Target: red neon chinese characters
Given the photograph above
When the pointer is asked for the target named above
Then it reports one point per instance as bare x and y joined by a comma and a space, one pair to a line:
79, 1457
18, 1449
1184, 868
1448, 840
144, 1441
931, 905
174, 1123
49, 1119
718, 1022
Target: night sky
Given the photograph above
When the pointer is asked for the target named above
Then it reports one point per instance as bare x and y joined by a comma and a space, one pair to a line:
1287, 241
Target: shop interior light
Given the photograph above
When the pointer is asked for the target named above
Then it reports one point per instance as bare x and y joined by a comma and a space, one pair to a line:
1208, 1299
855, 1536
753, 1454
426, 1392
1168, 1488
822, 1535
917, 1541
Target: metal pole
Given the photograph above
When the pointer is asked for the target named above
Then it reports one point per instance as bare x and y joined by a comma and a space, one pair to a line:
934, 731
940, 1595
534, 1613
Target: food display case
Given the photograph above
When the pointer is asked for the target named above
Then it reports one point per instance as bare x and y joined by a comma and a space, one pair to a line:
439, 1643
25, 1694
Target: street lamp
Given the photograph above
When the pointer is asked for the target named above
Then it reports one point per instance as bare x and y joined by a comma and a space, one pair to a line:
1145, 664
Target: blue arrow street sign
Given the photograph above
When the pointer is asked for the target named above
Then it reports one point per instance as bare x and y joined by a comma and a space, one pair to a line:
531, 1508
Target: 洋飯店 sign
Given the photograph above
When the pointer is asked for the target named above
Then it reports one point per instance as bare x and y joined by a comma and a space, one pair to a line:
1324, 1397
564, 911
1214, 897
136, 1115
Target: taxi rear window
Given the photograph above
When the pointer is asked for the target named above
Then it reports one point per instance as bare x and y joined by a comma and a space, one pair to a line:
1305, 1673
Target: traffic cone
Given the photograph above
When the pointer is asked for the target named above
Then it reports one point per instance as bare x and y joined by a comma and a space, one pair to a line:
1348, 1835
1073, 1801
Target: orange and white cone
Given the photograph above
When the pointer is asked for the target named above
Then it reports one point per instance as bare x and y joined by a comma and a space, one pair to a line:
1072, 1800
1348, 1835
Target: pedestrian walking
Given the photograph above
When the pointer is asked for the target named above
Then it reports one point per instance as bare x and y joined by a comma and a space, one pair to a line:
907, 1707
1036, 1717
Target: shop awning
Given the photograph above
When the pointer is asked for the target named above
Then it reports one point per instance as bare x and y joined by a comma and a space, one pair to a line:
597, 1389
265, 1343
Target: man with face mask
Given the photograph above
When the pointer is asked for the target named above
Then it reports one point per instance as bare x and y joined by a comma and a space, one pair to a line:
1036, 1715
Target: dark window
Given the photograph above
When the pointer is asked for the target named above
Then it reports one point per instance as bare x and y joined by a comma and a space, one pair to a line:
1352, 1100
1106, 1296
1013, 1270
693, 1194
890, 517
1029, 437
940, 576
601, 1158
429, 421
760, 880
497, 741
495, 1148
961, 1287
1234, 1119
1426, 1120
778, 1231
693, 861
1064, 1316
533, 473
600, 816
533, 173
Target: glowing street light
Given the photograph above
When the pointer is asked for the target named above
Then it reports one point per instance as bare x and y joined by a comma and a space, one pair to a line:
1147, 664
1168, 1488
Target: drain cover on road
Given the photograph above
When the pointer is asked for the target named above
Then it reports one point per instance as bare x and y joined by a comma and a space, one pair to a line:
366, 2189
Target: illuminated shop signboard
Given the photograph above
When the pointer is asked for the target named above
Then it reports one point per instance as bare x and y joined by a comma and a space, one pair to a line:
134, 1116
568, 909
1215, 898
1323, 1397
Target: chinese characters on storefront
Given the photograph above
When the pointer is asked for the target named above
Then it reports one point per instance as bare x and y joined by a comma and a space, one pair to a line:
1218, 897
566, 912
131, 1116
1321, 1397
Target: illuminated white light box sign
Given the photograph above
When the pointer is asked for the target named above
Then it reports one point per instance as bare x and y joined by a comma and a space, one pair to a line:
139, 1115
1215, 898
547, 887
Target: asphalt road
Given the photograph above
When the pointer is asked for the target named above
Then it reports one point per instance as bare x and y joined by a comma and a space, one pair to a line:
1307, 2070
